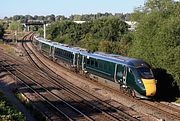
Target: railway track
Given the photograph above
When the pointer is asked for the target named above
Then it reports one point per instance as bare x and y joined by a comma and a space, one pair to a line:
172, 113
48, 98
80, 95
22, 73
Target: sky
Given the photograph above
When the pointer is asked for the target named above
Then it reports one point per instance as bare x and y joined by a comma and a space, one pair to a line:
66, 7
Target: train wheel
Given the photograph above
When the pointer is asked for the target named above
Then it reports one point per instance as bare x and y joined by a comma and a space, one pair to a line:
133, 93
87, 75
128, 92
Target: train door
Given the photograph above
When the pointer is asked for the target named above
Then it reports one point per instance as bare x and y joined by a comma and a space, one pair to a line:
50, 51
53, 49
77, 61
125, 75
40, 46
74, 59
83, 62
121, 74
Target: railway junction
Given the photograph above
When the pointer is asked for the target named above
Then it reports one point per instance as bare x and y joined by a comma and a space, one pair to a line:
60, 94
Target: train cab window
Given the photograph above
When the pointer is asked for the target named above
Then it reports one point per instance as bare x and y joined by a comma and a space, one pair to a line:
146, 72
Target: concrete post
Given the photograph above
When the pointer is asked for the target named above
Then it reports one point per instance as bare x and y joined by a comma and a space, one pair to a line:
44, 31
28, 27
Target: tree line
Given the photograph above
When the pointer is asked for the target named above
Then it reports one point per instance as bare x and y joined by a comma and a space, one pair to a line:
108, 34
76, 17
14, 22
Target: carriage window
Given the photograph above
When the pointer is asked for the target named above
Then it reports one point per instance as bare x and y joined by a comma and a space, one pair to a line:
96, 64
100, 65
88, 61
92, 62
105, 66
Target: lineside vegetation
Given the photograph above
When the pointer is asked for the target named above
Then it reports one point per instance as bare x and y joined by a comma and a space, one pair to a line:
9, 112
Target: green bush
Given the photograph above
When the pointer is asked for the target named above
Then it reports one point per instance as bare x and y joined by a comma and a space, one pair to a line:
37, 114
9, 112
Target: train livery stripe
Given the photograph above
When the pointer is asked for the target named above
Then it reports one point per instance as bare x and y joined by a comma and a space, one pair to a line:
150, 86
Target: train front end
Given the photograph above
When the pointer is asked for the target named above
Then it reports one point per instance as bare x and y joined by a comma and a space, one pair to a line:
148, 81
145, 86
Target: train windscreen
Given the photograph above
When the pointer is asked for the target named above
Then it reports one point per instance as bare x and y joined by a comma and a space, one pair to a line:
146, 73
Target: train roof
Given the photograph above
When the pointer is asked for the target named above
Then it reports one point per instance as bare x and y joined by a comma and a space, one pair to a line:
116, 59
45, 41
70, 49
57, 45
98, 55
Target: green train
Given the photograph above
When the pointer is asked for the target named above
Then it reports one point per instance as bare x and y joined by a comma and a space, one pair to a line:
134, 76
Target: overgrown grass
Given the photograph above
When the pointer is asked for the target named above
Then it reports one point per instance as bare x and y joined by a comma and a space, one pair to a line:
1, 41
9, 112
178, 100
7, 48
36, 113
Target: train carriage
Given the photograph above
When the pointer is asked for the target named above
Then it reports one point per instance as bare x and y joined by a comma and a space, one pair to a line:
45, 46
98, 66
66, 56
131, 75
36, 43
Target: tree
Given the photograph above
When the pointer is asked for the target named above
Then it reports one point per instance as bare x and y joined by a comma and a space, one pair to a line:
16, 26
94, 34
157, 36
50, 18
1, 31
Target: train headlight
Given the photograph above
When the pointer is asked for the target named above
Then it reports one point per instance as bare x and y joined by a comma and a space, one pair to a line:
139, 81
